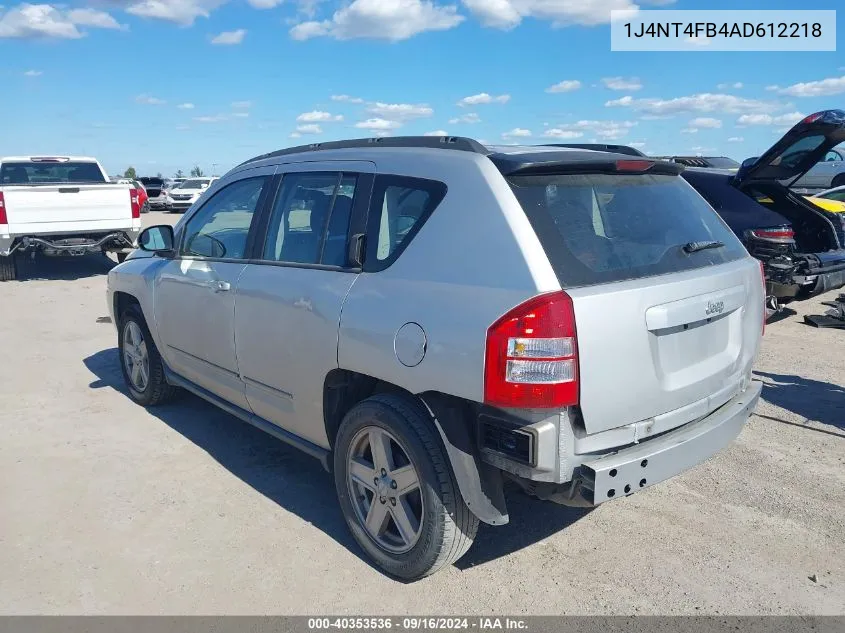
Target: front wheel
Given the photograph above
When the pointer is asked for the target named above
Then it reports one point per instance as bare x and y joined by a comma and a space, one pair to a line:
140, 362
397, 490
839, 181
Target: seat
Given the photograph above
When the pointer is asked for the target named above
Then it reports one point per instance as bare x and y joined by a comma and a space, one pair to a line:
301, 246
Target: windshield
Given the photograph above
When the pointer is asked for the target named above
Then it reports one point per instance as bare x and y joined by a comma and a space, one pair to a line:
26, 173
599, 228
194, 184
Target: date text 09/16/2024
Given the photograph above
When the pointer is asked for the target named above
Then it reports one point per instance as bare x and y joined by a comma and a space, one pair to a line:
410, 623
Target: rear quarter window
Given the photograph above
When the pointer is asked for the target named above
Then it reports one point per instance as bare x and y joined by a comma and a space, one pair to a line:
602, 228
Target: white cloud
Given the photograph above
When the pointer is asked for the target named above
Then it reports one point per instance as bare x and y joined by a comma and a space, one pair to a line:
264, 4
318, 116
241, 105
568, 85
229, 38
706, 123
736, 139
241, 115
149, 100
558, 133
483, 98
378, 124
392, 20
295, 135
736, 86
216, 118
506, 14
470, 118
637, 145
517, 132
400, 111
310, 128
182, 12
186, 106
437, 133
773, 88
32, 21
622, 83
33, 73
822, 88
766, 119
704, 102
605, 130
689, 130
346, 99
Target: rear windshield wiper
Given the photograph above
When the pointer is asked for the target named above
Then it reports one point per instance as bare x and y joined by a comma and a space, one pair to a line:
694, 247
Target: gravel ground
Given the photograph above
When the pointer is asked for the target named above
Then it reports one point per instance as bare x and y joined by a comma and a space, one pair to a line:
111, 509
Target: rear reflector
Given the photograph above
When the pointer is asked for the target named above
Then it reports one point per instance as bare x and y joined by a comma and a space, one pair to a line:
784, 233
531, 359
3, 218
135, 201
634, 165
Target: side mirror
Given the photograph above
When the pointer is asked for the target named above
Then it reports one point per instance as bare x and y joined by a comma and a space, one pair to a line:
748, 162
156, 239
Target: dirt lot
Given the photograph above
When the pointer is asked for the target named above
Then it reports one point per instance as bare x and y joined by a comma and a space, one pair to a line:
110, 509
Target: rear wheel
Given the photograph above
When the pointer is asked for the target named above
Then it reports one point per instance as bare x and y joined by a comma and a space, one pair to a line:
397, 491
140, 362
8, 268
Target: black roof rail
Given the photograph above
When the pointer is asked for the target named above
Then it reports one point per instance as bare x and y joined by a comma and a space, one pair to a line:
460, 143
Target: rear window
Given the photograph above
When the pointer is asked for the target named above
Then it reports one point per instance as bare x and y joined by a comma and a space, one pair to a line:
152, 182
601, 228
45, 173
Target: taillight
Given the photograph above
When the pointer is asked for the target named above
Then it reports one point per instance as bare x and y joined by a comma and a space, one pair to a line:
779, 233
135, 201
531, 360
3, 218
765, 293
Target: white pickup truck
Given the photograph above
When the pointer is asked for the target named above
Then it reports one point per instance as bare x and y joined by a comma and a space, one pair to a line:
63, 205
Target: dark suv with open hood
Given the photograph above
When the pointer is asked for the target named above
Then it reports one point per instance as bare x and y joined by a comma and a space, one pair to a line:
801, 245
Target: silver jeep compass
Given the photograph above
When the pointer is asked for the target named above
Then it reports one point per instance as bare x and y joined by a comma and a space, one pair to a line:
431, 317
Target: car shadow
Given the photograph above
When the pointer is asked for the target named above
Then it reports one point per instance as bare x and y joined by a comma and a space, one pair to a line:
300, 485
811, 399
63, 268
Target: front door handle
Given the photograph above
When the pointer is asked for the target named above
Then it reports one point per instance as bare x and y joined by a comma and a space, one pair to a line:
221, 286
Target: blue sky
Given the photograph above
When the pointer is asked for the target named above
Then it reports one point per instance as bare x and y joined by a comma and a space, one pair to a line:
166, 84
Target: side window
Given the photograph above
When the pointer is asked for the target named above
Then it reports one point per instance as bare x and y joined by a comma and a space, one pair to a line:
310, 221
832, 157
400, 205
220, 228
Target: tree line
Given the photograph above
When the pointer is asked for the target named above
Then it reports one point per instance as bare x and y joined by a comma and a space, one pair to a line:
196, 172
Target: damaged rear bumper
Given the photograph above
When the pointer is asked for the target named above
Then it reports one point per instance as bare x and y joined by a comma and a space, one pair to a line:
658, 459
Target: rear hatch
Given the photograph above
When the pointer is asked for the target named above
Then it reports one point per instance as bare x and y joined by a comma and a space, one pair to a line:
668, 305
48, 194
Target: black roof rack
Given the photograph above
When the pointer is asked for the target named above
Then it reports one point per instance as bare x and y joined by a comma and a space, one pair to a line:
434, 142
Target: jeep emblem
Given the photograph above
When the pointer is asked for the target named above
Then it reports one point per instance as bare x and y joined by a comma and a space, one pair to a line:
715, 307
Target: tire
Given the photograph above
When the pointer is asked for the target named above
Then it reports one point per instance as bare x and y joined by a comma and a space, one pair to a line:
155, 390
8, 268
446, 527
838, 181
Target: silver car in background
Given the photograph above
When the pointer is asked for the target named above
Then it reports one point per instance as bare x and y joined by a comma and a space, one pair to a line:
430, 317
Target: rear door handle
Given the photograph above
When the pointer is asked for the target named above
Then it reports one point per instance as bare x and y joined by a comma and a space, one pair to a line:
221, 286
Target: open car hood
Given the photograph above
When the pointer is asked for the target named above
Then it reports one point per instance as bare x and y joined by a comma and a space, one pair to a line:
798, 151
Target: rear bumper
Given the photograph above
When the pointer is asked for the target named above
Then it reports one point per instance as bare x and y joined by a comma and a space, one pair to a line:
658, 459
